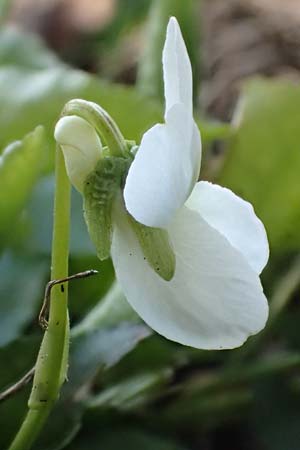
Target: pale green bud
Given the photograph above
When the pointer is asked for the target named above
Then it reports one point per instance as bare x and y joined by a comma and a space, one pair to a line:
81, 147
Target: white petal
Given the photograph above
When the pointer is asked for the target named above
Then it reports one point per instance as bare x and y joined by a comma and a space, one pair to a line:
164, 170
81, 147
177, 69
235, 219
214, 301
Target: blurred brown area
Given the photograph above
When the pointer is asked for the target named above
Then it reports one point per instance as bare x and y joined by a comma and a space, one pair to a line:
80, 15
70, 26
243, 38
62, 23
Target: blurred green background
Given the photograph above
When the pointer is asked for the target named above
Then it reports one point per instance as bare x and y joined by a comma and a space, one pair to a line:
129, 388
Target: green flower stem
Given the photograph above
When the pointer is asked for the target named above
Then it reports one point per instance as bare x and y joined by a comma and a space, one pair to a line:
51, 365
101, 121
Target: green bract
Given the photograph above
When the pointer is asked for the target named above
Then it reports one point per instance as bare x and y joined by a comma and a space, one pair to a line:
157, 249
99, 192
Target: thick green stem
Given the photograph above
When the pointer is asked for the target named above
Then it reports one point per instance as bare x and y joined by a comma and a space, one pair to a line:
51, 363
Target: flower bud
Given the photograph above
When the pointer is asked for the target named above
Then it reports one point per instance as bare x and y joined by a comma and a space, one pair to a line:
81, 147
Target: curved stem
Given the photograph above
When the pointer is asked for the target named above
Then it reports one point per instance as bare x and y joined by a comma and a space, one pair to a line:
51, 365
33, 423
101, 121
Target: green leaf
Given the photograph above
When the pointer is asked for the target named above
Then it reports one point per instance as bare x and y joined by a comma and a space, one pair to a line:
205, 394
90, 353
28, 53
21, 284
38, 222
110, 331
20, 165
132, 392
107, 334
212, 130
113, 438
101, 349
17, 358
86, 294
263, 163
34, 92
284, 290
277, 428
111, 311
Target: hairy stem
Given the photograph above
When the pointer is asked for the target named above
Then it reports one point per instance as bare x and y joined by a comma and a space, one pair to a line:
51, 365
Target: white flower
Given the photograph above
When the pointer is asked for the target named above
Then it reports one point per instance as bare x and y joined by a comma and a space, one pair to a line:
215, 299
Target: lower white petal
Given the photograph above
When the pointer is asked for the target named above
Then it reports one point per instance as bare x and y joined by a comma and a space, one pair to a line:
234, 218
214, 301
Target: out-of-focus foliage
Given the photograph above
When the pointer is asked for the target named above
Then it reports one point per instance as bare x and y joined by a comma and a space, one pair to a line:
129, 12
127, 387
149, 78
92, 351
20, 166
20, 292
34, 91
16, 359
28, 53
266, 148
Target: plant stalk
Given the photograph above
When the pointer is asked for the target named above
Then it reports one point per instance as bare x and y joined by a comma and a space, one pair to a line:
51, 365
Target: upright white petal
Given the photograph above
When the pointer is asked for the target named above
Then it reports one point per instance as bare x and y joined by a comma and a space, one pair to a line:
164, 170
178, 81
214, 301
81, 147
235, 219
167, 164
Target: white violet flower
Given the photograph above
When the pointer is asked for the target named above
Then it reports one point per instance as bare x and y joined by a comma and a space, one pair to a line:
207, 242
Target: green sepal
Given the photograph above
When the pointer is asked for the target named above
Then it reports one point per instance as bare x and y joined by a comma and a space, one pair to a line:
157, 249
99, 191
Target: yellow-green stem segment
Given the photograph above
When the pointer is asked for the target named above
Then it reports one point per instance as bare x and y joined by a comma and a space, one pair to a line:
51, 365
